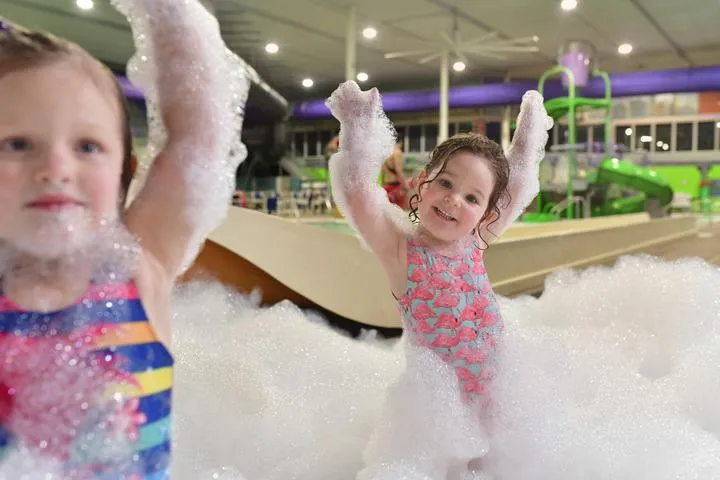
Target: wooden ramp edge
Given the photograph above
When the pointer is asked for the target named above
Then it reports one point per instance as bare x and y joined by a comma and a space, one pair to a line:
313, 267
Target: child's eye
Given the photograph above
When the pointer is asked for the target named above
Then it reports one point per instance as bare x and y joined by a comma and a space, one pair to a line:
445, 183
15, 145
89, 147
472, 199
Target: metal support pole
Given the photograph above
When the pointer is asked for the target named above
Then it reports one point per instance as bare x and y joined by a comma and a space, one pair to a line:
505, 125
350, 44
444, 87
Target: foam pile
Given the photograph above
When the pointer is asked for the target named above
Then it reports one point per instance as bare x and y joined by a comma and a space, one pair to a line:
612, 373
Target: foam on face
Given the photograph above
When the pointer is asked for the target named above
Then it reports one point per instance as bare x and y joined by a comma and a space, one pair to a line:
612, 373
209, 175
367, 139
70, 243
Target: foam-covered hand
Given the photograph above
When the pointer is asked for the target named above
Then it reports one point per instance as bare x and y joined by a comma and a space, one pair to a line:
524, 156
363, 124
531, 135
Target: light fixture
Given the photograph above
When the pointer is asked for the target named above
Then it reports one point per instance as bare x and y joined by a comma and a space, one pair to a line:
646, 139
369, 32
85, 4
568, 5
307, 82
459, 66
628, 132
665, 147
362, 77
625, 49
272, 48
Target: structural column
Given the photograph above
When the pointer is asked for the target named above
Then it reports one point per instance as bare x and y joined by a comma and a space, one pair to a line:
444, 88
350, 44
505, 125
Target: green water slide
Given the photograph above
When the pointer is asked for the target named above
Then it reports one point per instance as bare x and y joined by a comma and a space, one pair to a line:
643, 180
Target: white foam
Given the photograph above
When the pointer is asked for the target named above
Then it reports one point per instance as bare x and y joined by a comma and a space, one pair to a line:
366, 140
524, 155
209, 173
59, 406
610, 374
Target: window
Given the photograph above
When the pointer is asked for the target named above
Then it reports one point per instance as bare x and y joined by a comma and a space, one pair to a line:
325, 137
431, 135
492, 130
643, 140
581, 134
414, 137
598, 133
562, 138
465, 127
684, 135
706, 136
624, 135
312, 144
663, 137
298, 144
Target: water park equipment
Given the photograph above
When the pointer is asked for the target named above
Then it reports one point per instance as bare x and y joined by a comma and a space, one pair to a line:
584, 172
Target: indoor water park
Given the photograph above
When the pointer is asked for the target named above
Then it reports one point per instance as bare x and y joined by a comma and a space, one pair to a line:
410, 240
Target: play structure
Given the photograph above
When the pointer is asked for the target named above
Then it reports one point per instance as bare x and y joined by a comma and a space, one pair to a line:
593, 178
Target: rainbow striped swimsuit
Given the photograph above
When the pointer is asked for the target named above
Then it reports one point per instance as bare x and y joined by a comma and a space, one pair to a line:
113, 322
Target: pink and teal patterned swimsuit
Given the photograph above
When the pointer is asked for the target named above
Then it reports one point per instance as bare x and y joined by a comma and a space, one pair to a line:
449, 306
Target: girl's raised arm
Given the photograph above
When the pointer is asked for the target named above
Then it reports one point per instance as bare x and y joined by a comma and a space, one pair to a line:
524, 156
196, 91
366, 140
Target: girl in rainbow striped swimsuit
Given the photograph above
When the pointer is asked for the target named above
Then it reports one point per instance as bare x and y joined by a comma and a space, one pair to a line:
468, 194
85, 283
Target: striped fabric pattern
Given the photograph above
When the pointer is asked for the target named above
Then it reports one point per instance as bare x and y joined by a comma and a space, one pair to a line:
123, 329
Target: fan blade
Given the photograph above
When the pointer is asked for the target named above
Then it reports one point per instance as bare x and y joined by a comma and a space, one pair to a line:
481, 38
407, 54
429, 58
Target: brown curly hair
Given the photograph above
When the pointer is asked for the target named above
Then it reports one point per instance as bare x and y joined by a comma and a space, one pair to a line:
478, 145
22, 48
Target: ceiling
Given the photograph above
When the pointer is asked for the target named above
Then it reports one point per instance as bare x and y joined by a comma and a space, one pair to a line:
311, 35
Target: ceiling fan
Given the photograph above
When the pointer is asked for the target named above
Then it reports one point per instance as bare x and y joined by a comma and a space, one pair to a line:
488, 45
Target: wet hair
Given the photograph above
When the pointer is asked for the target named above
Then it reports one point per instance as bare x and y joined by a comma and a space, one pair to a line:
21, 48
478, 145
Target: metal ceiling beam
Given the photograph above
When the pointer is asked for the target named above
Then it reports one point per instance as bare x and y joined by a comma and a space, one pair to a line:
676, 49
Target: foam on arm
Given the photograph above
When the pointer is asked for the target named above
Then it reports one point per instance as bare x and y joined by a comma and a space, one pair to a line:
524, 156
195, 90
367, 138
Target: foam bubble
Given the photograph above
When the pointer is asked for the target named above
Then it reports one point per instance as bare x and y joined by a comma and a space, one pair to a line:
610, 374
107, 251
524, 155
59, 406
209, 79
366, 140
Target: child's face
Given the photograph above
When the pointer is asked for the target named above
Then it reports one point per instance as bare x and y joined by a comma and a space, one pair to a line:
456, 199
61, 152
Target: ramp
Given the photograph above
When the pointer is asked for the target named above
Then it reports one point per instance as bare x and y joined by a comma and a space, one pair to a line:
317, 267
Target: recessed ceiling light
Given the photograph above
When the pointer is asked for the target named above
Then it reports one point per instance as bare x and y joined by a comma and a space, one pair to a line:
369, 32
568, 5
85, 4
362, 77
625, 49
459, 66
272, 48
308, 82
